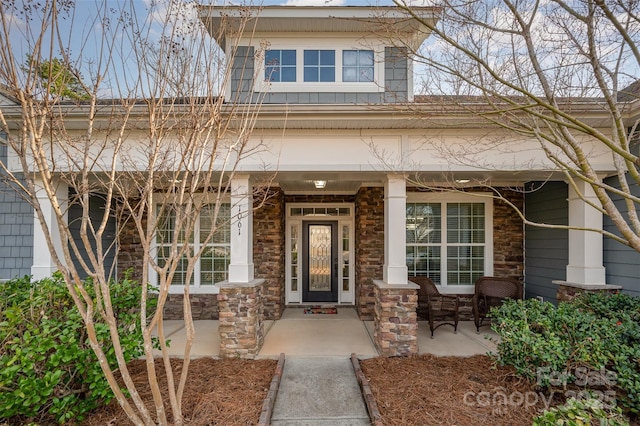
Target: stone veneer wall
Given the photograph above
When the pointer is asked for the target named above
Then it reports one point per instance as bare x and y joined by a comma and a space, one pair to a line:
241, 324
566, 293
269, 252
395, 320
203, 307
369, 231
508, 237
130, 250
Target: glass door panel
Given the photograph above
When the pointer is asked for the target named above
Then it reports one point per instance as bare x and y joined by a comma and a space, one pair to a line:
320, 261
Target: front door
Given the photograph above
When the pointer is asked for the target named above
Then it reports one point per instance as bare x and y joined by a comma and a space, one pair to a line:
320, 261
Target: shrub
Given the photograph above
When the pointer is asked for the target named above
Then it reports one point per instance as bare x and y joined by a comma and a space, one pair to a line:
592, 342
581, 412
47, 367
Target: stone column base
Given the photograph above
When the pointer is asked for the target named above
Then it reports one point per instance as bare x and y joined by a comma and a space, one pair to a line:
241, 324
395, 320
568, 291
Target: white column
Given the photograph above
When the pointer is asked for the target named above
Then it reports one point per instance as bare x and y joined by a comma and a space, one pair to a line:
43, 263
395, 206
585, 247
241, 263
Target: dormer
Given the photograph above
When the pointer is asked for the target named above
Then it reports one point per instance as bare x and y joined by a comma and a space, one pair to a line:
318, 55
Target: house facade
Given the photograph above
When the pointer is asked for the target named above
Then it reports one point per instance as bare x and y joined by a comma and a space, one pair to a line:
370, 186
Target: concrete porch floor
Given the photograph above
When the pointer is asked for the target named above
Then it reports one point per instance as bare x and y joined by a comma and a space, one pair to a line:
300, 335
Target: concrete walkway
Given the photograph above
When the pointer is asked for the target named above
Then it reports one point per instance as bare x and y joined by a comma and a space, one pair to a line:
319, 391
298, 334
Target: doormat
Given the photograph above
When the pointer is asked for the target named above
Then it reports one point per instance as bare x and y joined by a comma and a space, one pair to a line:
320, 310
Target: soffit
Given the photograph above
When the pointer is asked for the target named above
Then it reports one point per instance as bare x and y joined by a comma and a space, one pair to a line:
223, 22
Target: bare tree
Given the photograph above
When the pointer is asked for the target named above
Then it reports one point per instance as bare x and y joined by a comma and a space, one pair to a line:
151, 135
558, 72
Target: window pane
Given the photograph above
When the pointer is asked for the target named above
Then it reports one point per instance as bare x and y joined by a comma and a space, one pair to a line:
365, 58
424, 261
271, 74
288, 74
465, 265
166, 225
288, 57
328, 57
272, 57
327, 74
319, 65
464, 244
349, 74
423, 223
311, 57
349, 58
310, 74
280, 65
214, 264
357, 65
180, 275
465, 223
366, 74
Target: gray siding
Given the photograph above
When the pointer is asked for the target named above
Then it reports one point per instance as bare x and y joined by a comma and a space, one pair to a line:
96, 210
396, 84
621, 262
546, 250
16, 230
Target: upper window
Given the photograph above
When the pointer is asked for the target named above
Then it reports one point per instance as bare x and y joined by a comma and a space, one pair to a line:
449, 241
357, 65
213, 265
280, 65
320, 65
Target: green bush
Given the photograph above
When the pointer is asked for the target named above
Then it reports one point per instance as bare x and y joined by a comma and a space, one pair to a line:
47, 367
592, 342
581, 412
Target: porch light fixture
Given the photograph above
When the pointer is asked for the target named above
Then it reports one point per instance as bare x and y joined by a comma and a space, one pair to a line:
463, 180
319, 184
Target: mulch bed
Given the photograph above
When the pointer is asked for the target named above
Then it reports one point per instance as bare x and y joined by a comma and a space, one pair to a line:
218, 392
431, 390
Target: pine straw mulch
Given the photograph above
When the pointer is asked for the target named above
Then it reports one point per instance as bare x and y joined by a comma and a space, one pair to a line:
432, 390
217, 392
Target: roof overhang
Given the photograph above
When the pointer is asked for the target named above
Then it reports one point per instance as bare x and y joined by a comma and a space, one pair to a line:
224, 22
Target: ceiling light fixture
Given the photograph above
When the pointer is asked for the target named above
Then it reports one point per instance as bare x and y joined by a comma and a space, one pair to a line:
463, 180
319, 184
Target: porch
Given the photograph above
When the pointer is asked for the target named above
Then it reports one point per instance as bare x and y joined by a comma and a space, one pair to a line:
328, 335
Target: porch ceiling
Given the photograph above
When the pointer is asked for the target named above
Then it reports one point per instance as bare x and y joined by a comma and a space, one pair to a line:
346, 183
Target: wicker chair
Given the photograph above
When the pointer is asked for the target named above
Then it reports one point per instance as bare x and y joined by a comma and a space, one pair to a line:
436, 307
490, 292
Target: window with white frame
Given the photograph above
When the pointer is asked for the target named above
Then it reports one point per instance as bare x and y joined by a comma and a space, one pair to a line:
449, 240
320, 65
280, 65
313, 65
357, 66
213, 265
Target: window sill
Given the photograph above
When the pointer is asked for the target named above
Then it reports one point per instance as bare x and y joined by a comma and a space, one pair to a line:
457, 289
328, 87
214, 289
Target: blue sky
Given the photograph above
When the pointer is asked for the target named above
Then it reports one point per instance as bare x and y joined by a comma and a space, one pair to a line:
84, 30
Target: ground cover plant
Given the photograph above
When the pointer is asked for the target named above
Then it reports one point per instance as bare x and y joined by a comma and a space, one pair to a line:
48, 371
587, 349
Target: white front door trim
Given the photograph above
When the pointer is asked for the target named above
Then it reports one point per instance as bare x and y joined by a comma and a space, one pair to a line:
344, 214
